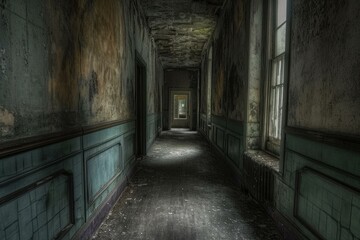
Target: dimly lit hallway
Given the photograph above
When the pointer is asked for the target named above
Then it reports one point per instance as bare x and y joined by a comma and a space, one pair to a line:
181, 191
88, 86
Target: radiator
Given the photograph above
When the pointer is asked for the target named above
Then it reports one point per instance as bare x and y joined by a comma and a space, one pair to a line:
259, 180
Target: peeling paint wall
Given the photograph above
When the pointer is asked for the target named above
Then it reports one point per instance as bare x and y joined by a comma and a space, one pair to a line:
64, 66
230, 62
325, 73
71, 63
324, 87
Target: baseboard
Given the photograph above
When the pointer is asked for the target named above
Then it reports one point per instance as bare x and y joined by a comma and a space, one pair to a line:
288, 229
90, 228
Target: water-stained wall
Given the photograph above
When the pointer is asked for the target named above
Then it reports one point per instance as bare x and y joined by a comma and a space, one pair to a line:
325, 59
230, 63
321, 148
66, 64
67, 81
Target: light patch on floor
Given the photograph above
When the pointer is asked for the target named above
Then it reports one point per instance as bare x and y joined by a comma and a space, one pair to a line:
181, 191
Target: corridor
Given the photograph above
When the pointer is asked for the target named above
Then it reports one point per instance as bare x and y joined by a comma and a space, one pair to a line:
90, 91
181, 191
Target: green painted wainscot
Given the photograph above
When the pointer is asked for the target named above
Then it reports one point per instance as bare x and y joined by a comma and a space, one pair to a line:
153, 128
226, 136
57, 190
320, 189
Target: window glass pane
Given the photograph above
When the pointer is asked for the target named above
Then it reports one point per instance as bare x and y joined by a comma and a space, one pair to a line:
276, 105
282, 64
281, 12
280, 79
280, 36
274, 73
278, 72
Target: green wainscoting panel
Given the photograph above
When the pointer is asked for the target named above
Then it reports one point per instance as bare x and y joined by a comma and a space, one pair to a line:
219, 121
106, 163
129, 147
235, 127
220, 138
234, 149
227, 137
327, 206
26, 162
343, 159
103, 164
284, 197
320, 189
51, 191
45, 204
301, 145
99, 137
43, 212
152, 128
203, 128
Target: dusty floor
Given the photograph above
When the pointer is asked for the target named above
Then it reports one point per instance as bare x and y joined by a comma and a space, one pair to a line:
181, 191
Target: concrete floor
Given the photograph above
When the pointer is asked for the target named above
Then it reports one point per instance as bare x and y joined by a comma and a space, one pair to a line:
181, 191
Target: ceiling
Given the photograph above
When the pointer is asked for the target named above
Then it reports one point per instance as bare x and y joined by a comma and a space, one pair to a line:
180, 28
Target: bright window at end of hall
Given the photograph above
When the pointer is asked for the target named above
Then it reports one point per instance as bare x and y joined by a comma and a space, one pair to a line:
180, 106
276, 84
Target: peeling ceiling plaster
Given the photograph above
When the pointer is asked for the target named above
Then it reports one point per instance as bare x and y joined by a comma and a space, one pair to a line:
180, 28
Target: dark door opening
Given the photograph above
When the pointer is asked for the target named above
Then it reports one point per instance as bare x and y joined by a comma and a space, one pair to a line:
180, 105
140, 104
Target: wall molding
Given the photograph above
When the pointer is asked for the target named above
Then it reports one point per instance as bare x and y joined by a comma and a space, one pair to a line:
350, 142
91, 199
297, 194
16, 194
37, 169
101, 212
30, 143
104, 125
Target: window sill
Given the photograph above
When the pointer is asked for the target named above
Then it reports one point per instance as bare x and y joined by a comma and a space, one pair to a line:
264, 159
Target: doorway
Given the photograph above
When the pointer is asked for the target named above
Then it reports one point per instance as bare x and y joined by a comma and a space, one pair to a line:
140, 104
180, 104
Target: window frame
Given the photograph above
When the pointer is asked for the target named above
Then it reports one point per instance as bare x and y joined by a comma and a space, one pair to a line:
272, 146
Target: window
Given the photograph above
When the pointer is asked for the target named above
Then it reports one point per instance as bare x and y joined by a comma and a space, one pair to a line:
276, 63
180, 106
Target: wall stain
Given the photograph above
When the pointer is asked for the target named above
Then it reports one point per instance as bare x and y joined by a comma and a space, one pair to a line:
7, 122
229, 64
93, 86
236, 89
323, 94
86, 51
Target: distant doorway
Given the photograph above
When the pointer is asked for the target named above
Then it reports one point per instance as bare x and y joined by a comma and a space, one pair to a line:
180, 109
140, 104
